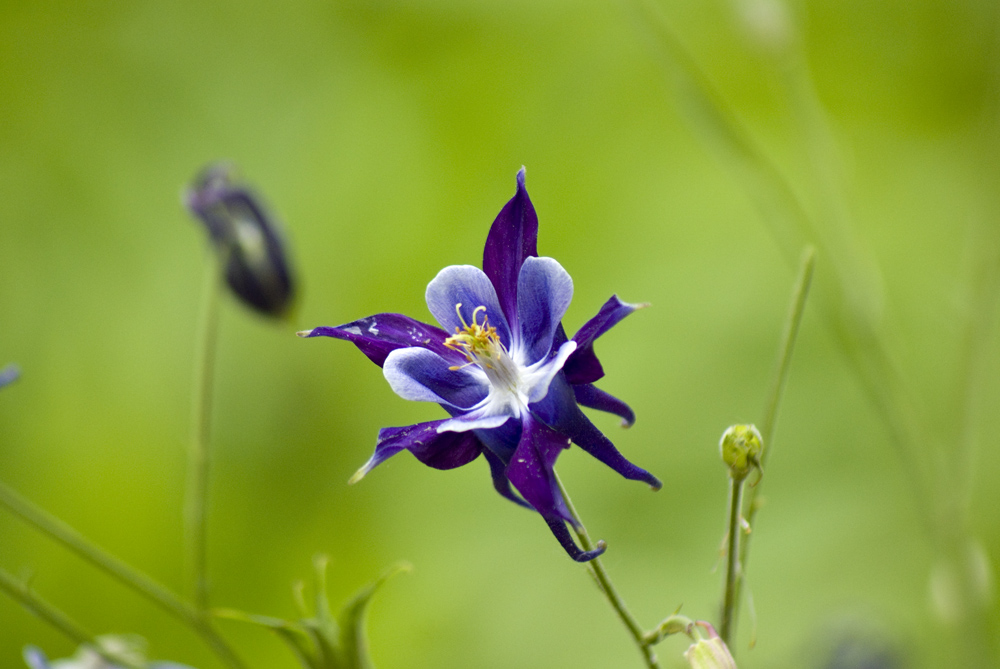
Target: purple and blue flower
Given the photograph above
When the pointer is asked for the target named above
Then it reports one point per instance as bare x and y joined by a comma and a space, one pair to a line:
503, 368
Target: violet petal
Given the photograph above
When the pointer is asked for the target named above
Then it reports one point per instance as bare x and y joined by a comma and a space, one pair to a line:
512, 238
503, 440
376, 336
544, 291
559, 529
559, 411
593, 397
530, 469
583, 366
500, 480
424, 376
468, 286
444, 450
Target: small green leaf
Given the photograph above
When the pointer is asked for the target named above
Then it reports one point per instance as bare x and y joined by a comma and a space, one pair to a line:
353, 643
297, 638
324, 616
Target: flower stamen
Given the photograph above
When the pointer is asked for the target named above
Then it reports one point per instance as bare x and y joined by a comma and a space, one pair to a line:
477, 342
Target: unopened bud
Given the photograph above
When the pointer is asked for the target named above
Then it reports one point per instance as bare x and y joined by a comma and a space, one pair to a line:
710, 653
247, 240
675, 624
741, 447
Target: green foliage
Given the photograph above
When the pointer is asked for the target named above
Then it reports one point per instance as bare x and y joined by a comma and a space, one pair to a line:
321, 640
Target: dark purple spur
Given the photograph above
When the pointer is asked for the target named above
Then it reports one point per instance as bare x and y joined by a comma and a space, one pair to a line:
503, 369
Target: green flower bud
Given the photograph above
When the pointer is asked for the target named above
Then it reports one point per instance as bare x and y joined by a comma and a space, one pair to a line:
710, 653
741, 447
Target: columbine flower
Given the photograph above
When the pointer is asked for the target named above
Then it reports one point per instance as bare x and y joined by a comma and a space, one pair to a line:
246, 239
503, 369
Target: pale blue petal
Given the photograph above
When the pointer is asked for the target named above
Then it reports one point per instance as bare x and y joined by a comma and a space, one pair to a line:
538, 379
473, 421
544, 291
424, 376
470, 287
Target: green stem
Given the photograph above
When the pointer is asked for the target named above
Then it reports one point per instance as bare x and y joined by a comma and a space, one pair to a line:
727, 625
128, 575
789, 334
600, 575
59, 620
786, 216
768, 421
196, 505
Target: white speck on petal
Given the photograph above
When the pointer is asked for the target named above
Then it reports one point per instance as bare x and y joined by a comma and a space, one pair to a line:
354, 330
373, 329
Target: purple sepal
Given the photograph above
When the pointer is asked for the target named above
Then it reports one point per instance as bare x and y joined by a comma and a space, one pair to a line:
593, 397
583, 366
440, 450
377, 336
502, 440
530, 469
559, 411
500, 481
559, 529
512, 238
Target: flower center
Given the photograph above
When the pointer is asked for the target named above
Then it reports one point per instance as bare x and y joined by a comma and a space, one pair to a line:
482, 347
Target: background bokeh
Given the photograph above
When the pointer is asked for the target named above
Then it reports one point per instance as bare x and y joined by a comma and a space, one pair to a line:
386, 135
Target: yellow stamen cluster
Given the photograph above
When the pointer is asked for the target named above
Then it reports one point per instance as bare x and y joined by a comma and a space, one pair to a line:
478, 343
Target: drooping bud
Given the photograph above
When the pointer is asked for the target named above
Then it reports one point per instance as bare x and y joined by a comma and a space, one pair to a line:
741, 447
709, 653
675, 624
246, 238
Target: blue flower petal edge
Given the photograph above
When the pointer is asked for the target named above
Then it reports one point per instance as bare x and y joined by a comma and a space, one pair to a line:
504, 370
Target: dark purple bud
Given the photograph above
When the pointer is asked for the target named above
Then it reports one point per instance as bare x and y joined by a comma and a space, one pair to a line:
246, 238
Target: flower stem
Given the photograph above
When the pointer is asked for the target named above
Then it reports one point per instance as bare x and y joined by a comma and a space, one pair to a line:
120, 570
600, 575
196, 502
58, 619
767, 424
727, 625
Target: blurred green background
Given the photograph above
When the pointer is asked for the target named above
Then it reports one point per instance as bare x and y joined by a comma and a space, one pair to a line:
387, 136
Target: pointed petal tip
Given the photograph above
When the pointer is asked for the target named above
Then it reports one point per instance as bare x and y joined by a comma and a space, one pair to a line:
304, 333
587, 556
626, 424
358, 475
654, 483
520, 176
